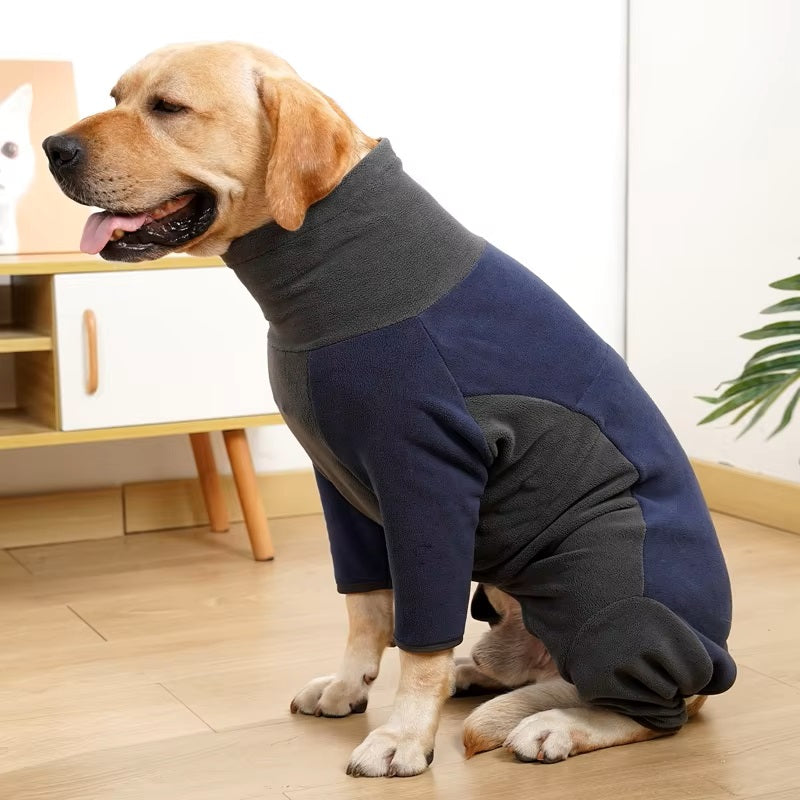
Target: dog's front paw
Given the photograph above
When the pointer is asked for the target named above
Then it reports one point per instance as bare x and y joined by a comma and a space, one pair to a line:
391, 754
547, 736
331, 697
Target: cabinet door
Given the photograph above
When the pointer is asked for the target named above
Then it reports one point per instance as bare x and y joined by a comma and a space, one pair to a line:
175, 344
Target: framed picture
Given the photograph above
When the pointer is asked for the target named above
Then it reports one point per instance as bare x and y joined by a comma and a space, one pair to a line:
37, 98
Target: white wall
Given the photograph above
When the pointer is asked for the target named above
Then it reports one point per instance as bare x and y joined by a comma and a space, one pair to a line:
714, 205
512, 114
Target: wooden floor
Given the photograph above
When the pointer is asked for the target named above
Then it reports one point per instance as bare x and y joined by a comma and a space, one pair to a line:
161, 666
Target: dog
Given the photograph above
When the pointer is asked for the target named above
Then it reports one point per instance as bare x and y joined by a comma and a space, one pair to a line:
464, 423
16, 161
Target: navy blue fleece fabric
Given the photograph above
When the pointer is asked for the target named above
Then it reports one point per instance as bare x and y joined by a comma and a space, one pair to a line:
360, 561
424, 458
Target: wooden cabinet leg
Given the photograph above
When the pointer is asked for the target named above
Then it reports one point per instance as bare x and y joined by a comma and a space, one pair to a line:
209, 482
255, 518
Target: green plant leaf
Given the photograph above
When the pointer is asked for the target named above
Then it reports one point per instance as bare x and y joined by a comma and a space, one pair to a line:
767, 402
706, 399
763, 382
790, 304
745, 411
771, 350
792, 284
773, 365
774, 329
732, 405
787, 414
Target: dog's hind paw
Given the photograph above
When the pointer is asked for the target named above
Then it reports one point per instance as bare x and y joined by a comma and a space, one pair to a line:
330, 697
487, 727
546, 736
386, 753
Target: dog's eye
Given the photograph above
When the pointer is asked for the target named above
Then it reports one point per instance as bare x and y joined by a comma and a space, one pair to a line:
167, 107
9, 149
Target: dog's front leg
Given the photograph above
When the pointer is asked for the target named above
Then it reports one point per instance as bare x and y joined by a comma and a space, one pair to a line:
403, 746
371, 618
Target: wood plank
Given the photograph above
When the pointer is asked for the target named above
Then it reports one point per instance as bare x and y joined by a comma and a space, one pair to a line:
32, 302
239, 765
11, 569
27, 631
36, 387
760, 498
142, 555
66, 516
14, 422
15, 339
14, 440
86, 719
162, 505
64, 263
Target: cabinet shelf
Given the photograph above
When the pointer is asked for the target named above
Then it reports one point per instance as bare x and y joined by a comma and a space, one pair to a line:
14, 422
15, 339
18, 429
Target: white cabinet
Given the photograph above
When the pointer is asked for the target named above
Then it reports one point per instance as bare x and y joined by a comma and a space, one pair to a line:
174, 344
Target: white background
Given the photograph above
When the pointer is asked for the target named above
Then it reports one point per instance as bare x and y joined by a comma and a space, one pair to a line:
714, 207
512, 114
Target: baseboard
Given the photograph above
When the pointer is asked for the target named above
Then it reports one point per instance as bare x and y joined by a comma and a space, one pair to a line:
61, 517
759, 498
139, 507
160, 505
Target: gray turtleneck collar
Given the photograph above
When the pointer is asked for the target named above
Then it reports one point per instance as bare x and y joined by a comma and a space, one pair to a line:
376, 250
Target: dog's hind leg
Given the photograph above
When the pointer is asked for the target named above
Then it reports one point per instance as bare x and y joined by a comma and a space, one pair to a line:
488, 726
556, 734
548, 722
507, 656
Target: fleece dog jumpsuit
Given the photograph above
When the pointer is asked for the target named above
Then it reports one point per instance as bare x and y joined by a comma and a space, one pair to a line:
465, 424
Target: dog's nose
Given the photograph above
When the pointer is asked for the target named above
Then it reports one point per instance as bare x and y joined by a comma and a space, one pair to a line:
63, 151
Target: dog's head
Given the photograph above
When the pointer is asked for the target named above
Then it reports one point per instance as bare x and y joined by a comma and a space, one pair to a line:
206, 143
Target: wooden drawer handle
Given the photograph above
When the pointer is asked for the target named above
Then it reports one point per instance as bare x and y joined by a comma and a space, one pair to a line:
90, 326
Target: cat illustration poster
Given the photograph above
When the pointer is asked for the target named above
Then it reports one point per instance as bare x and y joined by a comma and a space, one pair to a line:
37, 98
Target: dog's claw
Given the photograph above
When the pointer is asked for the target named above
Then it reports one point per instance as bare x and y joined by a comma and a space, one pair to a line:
359, 707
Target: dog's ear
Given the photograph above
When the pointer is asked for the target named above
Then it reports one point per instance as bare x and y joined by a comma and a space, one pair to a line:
310, 145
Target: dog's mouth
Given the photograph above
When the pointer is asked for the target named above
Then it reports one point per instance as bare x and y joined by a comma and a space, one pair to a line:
152, 232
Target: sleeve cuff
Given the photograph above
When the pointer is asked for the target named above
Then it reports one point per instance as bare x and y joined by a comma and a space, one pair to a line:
429, 648
357, 588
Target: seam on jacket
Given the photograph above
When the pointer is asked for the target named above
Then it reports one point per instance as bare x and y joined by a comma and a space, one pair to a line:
487, 455
414, 315
598, 372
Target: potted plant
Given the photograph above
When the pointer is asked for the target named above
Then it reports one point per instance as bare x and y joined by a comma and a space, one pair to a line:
770, 373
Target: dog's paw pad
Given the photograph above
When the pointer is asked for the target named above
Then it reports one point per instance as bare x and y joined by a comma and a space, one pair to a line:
547, 736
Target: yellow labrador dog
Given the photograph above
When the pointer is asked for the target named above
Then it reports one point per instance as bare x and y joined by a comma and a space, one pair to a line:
222, 149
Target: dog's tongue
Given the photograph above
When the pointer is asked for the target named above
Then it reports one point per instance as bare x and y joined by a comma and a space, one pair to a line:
100, 227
